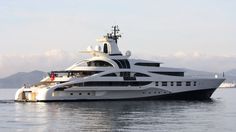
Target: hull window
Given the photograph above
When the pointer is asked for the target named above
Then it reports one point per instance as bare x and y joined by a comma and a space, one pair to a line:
164, 83
188, 83
179, 84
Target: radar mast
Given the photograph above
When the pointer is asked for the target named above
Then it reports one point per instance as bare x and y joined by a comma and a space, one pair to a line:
114, 34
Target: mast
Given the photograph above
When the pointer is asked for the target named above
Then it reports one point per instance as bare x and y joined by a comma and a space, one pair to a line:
114, 35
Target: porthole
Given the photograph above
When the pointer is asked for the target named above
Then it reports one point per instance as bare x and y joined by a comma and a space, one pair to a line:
80, 93
88, 93
179, 84
188, 83
71, 93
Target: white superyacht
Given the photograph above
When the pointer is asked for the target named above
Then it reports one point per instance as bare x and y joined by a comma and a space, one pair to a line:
111, 75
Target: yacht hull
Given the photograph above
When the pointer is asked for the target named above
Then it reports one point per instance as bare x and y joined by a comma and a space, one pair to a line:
149, 92
189, 95
204, 90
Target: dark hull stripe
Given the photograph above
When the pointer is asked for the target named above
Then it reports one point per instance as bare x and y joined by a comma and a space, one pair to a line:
190, 95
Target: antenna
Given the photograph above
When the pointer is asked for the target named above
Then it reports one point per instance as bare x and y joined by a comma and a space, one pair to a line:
115, 33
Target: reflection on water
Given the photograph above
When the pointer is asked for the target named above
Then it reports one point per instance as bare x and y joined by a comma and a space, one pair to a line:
107, 116
218, 114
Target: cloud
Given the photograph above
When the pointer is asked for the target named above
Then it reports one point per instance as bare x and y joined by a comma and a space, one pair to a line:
57, 59
180, 54
54, 59
195, 60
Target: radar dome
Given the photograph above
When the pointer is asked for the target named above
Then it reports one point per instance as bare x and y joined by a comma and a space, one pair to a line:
128, 53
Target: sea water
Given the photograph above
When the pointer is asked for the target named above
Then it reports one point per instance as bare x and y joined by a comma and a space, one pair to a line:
216, 115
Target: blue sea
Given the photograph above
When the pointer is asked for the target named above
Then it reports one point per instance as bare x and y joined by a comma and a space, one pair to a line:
216, 115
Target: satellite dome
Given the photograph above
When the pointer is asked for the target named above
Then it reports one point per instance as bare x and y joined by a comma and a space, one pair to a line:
128, 53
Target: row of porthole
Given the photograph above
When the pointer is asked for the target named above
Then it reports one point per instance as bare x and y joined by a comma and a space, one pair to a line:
80, 94
179, 83
155, 92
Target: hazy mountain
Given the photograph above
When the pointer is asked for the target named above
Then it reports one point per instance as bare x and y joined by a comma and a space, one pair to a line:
231, 72
190, 72
229, 75
19, 79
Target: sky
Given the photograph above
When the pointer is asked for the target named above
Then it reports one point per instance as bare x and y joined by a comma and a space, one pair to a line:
48, 34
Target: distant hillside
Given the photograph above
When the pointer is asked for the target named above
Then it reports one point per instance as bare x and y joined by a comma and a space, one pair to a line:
189, 72
229, 75
19, 79
231, 72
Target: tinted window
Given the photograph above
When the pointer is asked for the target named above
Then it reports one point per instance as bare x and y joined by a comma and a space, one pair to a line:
99, 64
148, 64
123, 64
110, 75
140, 75
170, 73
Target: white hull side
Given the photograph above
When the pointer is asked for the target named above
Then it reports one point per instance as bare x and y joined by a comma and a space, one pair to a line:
205, 88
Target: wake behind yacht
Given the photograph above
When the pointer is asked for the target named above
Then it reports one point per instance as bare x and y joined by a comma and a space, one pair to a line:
111, 75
